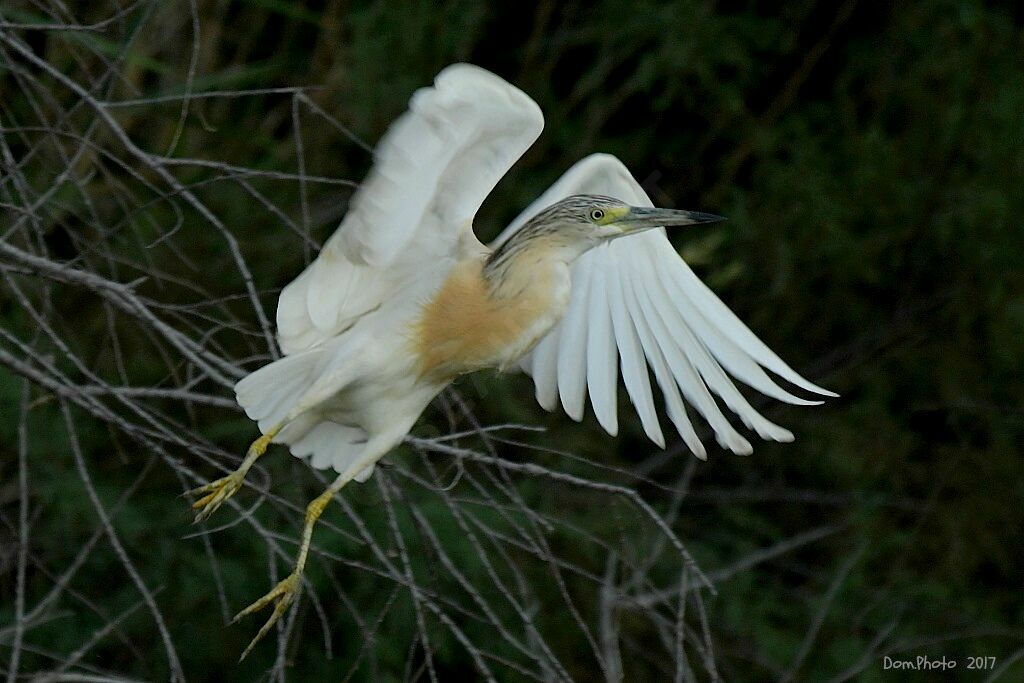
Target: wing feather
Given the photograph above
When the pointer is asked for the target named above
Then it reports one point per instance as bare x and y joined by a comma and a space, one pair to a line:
662, 373
634, 369
668, 335
544, 369
711, 372
636, 299
432, 171
602, 356
572, 369
738, 363
732, 327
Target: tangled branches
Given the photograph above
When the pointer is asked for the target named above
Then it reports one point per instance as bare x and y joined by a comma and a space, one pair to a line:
137, 273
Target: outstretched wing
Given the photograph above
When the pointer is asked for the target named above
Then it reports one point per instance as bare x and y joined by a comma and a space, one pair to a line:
635, 301
432, 171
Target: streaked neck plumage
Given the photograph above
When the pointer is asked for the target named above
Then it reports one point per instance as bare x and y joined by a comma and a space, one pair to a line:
492, 309
538, 245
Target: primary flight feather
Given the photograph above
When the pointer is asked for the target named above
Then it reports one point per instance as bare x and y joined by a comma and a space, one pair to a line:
404, 298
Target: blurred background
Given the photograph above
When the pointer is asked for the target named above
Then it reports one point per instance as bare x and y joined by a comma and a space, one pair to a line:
168, 166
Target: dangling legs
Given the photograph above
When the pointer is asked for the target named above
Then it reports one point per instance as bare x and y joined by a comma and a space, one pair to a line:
285, 591
216, 492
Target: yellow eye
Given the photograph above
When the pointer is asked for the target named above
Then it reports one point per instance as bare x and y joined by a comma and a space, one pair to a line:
596, 214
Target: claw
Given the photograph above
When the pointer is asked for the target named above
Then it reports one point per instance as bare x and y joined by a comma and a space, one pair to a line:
284, 593
216, 492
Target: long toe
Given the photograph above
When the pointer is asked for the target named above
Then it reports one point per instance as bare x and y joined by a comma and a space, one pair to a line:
204, 489
283, 593
215, 494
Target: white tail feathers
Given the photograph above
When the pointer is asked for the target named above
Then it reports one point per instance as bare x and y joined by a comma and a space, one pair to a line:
270, 393
330, 445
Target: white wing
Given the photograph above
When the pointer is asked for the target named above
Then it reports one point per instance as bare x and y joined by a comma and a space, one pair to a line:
636, 299
433, 169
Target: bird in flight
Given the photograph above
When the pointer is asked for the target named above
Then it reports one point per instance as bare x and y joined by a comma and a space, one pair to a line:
404, 298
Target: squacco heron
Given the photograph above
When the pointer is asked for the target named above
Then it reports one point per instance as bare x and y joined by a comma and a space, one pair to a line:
403, 299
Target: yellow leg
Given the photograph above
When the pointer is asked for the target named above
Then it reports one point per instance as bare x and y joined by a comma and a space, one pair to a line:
286, 591
216, 492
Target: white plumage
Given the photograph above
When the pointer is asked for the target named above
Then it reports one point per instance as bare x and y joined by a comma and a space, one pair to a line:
432, 171
403, 298
636, 298
348, 389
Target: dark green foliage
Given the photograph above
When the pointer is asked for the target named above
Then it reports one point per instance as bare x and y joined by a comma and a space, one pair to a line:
870, 158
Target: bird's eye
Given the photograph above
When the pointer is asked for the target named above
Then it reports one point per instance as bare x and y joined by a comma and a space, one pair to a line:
596, 214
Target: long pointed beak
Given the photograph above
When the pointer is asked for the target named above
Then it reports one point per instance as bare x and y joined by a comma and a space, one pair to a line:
641, 218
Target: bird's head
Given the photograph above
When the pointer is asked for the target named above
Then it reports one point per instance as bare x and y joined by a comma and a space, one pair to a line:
593, 219
576, 224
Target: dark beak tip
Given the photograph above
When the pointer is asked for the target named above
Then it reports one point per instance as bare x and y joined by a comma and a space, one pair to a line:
709, 218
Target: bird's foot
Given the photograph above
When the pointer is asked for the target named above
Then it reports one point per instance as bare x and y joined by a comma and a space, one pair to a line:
283, 593
215, 493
